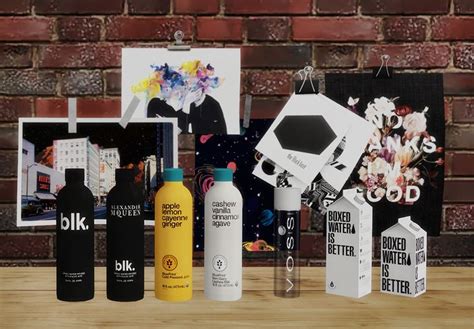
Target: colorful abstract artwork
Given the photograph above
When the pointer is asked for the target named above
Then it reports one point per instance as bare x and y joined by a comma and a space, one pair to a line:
199, 87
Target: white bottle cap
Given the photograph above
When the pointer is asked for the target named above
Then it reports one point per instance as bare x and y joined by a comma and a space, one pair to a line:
287, 198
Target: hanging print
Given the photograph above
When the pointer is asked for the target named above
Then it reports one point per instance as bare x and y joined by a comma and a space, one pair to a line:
199, 87
237, 153
402, 168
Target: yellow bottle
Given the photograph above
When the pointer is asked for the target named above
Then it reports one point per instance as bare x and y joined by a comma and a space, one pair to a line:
173, 239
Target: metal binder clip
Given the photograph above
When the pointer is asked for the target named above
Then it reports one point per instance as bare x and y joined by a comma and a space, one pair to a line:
179, 44
383, 64
301, 87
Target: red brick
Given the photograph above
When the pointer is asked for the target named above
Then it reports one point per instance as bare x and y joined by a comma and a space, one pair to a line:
79, 28
459, 191
312, 245
268, 6
448, 163
269, 82
463, 110
12, 108
7, 186
74, 83
450, 246
268, 29
463, 6
15, 56
8, 218
464, 56
148, 7
458, 84
26, 29
78, 7
335, 29
86, 107
335, 56
448, 117
264, 108
462, 164
275, 56
27, 82
8, 140
219, 29
78, 56
8, 166
186, 160
459, 137
404, 29
459, 217
452, 28
147, 28
409, 56
25, 246
194, 7
339, 7
17, 7
404, 6
113, 82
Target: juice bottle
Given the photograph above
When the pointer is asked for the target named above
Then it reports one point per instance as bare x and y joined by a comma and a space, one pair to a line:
223, 239
173, 238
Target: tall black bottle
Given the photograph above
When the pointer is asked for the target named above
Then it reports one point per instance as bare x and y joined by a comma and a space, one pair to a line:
75, 239
125, 239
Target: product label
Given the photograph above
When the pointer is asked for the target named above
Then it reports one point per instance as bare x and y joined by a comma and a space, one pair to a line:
172, 215
75, 222
339, 222
348, 250
125, 210
124, 271
223, 214
73, 277
219, 277
169, 264
286, 280
403, 265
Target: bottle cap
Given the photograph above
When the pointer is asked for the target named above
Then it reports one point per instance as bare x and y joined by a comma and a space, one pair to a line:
223, 175
74, 175
287, 198
173, 175
124, 175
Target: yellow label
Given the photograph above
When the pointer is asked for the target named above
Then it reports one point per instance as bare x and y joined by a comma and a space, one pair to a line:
173, 242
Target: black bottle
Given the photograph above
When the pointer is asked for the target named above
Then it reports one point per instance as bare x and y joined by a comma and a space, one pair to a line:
75, 239
125, 239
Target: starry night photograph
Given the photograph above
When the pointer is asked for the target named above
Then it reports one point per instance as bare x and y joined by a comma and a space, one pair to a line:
238, 153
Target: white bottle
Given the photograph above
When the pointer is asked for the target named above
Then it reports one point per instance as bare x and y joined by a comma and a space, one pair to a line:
223, 239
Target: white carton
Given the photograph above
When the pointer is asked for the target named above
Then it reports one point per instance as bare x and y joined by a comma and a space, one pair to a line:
403, 259
349, 246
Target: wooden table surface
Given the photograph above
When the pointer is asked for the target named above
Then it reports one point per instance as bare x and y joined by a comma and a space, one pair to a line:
28, 300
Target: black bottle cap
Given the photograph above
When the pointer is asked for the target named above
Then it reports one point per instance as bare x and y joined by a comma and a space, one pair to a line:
74, 175
124, 175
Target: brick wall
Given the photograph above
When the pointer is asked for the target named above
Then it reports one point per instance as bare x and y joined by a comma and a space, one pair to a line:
52, 49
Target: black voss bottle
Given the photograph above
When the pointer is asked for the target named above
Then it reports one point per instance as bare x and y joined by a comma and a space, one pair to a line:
125, 239
75, 239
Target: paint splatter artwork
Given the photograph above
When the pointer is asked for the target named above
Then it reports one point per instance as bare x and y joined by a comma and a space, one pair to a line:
199, 87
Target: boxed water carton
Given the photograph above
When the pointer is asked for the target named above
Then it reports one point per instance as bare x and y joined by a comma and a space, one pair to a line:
403, 259
349, 246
